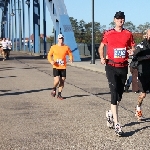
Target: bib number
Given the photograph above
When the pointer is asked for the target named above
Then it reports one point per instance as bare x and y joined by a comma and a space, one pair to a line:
60, 62
119, 52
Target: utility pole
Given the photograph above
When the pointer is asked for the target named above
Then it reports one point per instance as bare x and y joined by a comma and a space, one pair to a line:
93, 37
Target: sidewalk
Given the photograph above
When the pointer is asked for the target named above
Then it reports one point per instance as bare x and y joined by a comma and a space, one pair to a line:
87, 65
98, 67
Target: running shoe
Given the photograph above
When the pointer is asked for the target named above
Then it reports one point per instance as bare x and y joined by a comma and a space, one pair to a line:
53, 93
109, 116
60, 97
118, 129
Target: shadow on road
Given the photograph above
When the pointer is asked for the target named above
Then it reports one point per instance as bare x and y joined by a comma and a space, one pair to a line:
23, 92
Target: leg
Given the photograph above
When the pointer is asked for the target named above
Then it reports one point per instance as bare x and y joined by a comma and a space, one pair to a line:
56, 81
3, 53
8, 53
140, 99
135, 87
130, 80
138, 113
116, 78
143, 86
1, 50
111, 76
61, 82
121, 82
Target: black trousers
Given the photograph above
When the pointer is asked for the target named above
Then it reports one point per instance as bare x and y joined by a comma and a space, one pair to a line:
117, 77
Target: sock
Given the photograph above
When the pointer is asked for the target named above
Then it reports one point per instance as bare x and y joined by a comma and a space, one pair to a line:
59, 93
138, 108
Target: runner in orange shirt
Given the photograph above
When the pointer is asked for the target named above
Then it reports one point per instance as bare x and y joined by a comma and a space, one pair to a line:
57, 58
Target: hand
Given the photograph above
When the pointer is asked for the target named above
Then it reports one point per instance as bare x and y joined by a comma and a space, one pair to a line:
70, 61
103, 61
130, 51
52, 62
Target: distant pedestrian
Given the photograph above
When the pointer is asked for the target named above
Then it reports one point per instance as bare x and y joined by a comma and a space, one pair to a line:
1, 47
120, 44
9, 43
4, 48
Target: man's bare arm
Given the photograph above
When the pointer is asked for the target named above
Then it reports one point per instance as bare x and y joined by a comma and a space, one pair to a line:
101, 53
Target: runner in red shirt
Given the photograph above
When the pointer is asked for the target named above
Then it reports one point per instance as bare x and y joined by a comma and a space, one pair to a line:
120, 44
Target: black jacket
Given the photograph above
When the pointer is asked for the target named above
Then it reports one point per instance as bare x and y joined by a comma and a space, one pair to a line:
142, 53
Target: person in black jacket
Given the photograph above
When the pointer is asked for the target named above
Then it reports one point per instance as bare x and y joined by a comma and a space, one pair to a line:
142, 52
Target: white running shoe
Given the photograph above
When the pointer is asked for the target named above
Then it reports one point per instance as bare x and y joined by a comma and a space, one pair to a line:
118, 129
109, 116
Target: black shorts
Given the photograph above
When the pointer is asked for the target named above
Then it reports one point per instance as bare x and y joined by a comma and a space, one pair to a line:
144, 83
6, 50
59, 72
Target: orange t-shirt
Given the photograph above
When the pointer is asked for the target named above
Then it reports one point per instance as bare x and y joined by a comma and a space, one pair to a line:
58, 55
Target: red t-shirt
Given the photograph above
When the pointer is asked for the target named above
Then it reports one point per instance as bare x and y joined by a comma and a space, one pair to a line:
117, 45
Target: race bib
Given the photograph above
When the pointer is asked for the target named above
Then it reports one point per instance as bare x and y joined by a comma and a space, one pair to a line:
60, 62
119, 52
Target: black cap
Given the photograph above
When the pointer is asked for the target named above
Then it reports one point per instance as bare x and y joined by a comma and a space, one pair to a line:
119, 15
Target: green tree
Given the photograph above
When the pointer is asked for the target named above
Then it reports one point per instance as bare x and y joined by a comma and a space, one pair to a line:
74, 24
112, 24
141, 28
130, 26
50, 39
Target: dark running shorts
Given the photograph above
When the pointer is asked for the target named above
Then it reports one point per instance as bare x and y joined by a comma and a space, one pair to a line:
144, 83
59, 72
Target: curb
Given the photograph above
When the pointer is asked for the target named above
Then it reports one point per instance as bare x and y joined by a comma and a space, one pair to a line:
87, 67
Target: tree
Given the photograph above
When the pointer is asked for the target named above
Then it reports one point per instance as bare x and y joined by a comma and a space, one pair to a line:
74, 24
50, 39
83, 30
137, 37
141, 28
112, 24
130, 26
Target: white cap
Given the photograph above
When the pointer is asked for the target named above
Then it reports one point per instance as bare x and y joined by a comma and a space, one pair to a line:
60, 36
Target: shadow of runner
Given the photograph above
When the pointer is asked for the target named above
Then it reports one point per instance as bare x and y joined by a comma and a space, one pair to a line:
75, 96
102, 93
31, 91
28, 57
9, 77
5, 90
138, 122
127, 134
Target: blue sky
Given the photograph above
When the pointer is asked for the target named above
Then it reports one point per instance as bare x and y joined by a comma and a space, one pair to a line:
136, 11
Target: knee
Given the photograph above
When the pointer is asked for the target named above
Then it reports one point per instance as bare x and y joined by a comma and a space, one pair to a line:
56, 80
114, 102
